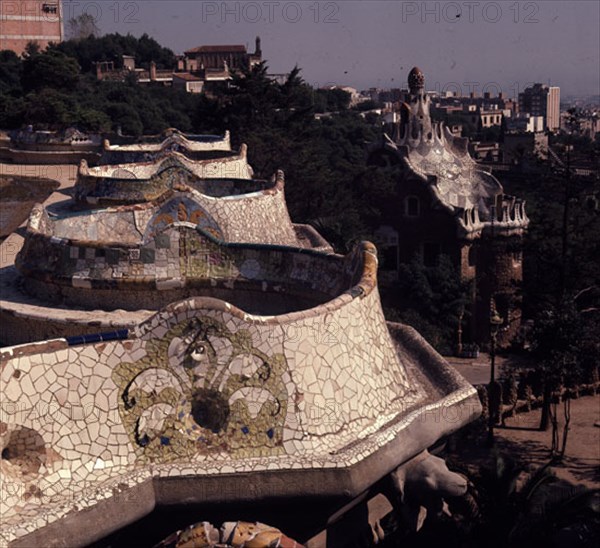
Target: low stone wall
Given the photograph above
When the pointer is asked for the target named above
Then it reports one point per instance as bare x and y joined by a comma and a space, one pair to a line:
116, 191
180, 261
44, 157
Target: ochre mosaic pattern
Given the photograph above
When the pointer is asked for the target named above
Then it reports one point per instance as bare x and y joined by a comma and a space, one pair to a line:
182, 255
203, 389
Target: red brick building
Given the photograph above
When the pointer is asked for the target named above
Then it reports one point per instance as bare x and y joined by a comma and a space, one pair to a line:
450, 205
24, 21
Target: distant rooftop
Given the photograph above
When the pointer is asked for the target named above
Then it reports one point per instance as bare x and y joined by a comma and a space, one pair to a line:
218, 49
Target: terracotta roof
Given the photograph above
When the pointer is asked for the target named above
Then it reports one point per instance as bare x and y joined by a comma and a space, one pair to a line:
217, 49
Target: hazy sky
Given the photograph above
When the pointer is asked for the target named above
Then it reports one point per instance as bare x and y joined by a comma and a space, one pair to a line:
375, 43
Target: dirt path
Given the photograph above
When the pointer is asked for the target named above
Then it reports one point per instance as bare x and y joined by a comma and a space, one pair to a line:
64, 174
521, 440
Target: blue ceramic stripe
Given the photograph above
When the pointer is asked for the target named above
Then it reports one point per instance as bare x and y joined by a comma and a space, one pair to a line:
98, 337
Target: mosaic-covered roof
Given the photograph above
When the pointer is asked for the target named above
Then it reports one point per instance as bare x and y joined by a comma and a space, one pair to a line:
206, 392
137, 228
258, 216
171, 244
431, 153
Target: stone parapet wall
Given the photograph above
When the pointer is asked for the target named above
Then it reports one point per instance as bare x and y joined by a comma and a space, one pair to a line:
116, 191
177, 261
18, 195
231, 166
169, 138
56, 157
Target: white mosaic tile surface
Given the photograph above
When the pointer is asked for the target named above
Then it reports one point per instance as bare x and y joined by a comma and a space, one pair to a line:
321, 388
173, 137
235, 166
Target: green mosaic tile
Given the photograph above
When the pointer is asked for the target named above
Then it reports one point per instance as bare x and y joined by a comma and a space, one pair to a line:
112, 256
162, 241
202, 419
147, 255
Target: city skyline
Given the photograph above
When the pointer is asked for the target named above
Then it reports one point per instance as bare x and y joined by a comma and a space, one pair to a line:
464, 46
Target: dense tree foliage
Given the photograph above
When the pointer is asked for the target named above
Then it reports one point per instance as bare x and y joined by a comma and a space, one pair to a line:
112, 47
561, 275
432, 299
331, 100
10, 71
50, 70
548, 190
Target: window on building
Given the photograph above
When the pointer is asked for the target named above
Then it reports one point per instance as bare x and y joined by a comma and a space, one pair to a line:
50, 8
412, 206
431, 253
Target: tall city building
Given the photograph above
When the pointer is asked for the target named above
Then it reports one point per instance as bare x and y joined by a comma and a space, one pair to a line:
542, 100
24, 21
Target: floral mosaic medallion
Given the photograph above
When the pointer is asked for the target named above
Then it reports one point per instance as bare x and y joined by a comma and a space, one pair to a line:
202, 389
181, 209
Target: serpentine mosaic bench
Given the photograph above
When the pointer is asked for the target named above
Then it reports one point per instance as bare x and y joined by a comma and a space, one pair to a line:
96, 269
118, 187
318, 400
142, 181
194, 147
